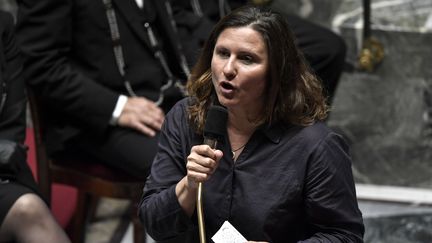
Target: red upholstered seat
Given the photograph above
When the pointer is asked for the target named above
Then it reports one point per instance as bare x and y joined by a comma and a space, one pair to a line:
64, 198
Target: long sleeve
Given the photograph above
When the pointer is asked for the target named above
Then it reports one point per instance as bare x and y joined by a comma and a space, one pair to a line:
160, 211
12, 117
46, 34
331, 204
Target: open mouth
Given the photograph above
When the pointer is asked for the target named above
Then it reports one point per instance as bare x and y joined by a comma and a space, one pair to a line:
227, 85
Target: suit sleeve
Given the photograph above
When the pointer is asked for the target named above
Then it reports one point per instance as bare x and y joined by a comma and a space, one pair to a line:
12, 117
45, 33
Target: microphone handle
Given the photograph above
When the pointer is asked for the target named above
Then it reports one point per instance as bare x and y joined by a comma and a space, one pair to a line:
210, 142
201, 226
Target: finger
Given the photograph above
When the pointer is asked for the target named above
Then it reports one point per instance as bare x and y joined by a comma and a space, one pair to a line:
145, 107
151, 120
144, 129
151, 123
197, 177
155, 121
218, 155
151, 106
204, 150
130, 120
197, 166
156, 113
201, 157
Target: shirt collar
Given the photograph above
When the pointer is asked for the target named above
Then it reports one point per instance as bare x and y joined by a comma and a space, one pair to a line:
273, 132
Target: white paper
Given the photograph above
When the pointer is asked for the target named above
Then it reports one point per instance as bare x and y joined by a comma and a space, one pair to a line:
228, 234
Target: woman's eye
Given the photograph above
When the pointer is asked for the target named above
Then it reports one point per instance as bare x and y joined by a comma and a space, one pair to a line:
222, 53
247, 59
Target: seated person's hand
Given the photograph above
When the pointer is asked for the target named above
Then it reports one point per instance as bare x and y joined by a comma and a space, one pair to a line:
201, 164
143, 115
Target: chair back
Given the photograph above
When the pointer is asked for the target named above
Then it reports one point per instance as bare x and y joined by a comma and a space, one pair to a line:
43, 172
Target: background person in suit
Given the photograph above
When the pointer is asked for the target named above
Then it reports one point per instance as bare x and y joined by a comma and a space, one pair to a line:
24, 216
324, 50
99, 68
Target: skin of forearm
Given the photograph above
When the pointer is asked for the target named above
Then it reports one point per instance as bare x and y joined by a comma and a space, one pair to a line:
186, 196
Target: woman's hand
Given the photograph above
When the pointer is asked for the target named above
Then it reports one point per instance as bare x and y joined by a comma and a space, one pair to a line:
201, 164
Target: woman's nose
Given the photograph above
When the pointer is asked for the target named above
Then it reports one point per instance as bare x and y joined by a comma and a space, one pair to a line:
229, 69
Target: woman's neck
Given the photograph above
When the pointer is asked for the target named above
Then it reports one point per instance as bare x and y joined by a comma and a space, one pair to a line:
243, 120
240, 128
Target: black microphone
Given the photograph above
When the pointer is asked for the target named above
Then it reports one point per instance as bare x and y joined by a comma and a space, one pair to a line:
215, 125
214, 131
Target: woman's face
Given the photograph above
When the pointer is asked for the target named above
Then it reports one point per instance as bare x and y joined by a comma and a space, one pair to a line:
239, 68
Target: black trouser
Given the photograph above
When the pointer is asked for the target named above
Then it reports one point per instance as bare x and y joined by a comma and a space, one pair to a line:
121, 148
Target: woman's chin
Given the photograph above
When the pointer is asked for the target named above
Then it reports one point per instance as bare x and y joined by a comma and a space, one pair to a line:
225, 102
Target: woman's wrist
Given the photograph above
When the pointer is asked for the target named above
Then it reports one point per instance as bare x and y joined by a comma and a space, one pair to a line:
186, 196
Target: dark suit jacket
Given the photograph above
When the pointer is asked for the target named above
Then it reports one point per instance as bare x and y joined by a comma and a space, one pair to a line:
69, 60
13, 114
195, 29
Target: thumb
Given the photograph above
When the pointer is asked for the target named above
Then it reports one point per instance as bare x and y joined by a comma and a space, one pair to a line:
218, 154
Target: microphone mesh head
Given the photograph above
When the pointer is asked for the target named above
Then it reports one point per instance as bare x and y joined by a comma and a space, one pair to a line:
215, 125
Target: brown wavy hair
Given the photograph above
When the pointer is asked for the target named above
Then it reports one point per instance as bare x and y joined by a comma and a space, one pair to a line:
293, 95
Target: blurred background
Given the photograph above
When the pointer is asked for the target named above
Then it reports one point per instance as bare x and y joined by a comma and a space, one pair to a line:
383, 108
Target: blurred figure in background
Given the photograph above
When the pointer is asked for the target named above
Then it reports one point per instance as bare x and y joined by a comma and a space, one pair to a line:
102, 73
24, 216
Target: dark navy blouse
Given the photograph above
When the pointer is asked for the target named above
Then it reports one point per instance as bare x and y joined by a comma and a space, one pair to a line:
289, 184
